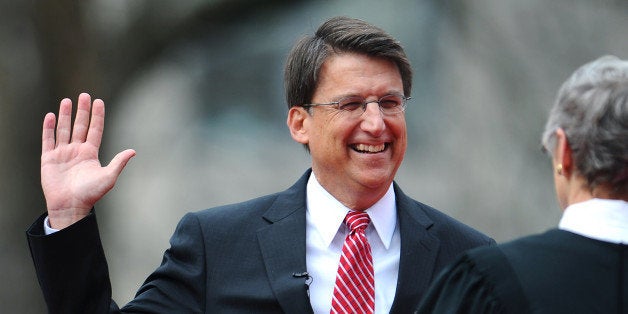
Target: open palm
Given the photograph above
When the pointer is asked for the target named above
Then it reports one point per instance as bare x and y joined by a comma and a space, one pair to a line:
72, 177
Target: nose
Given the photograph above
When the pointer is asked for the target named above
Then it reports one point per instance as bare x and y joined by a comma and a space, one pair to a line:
373, 119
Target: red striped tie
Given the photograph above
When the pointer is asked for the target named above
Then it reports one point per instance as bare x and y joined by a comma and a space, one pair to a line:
354, 291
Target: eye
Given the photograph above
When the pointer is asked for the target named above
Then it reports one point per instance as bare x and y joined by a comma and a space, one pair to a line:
390, 101
350, 103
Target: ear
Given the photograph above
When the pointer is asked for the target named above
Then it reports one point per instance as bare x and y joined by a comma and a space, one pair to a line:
563, 153
297, 121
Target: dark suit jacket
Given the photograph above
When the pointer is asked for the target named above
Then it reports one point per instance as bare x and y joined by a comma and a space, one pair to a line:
554, 272
236, 258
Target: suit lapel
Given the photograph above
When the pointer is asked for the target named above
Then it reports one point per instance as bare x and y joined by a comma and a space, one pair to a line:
419, 250
282, 244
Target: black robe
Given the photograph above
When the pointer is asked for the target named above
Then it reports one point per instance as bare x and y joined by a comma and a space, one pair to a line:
554, 272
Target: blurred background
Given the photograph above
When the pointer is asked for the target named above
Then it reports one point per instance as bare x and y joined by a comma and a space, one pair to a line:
196, 88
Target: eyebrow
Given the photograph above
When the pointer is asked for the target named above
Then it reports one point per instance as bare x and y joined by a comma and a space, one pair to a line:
395, 92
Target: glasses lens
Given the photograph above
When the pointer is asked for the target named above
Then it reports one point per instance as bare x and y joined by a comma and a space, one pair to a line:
350, 103
391, 104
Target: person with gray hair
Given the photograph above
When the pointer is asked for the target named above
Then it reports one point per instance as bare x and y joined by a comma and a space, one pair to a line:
581, 266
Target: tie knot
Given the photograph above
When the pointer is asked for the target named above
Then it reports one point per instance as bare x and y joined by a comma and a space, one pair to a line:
357, 220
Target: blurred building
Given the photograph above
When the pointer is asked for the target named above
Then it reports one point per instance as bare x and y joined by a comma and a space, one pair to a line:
196, 88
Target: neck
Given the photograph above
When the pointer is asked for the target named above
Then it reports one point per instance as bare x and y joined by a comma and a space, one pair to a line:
361, 200
607, 191
581, 192
356, 198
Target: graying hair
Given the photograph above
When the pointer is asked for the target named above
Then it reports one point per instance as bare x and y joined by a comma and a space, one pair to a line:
592, 108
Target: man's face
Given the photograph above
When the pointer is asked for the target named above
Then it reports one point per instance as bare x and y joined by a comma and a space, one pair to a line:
355, 158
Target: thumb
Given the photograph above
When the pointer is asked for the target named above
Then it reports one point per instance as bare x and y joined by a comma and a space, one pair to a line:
120, 160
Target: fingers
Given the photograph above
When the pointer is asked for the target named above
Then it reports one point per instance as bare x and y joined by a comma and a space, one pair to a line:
81, 122
97, 125
48, 133
84, 129
64, 122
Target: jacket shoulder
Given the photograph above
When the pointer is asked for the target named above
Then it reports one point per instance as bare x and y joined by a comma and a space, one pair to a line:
442, 226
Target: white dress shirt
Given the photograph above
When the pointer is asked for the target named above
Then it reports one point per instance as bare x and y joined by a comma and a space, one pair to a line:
47, 229
601, 219
325, 234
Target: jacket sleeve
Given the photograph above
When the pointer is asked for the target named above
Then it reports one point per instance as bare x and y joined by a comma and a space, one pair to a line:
178, 285
71, 267
73, 274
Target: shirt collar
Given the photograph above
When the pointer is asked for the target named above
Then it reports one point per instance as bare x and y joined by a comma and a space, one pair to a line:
327, 213
600, 219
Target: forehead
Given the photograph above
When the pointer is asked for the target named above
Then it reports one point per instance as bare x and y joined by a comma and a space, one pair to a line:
358, 74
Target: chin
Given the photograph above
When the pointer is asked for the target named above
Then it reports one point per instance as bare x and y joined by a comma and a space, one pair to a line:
374, 182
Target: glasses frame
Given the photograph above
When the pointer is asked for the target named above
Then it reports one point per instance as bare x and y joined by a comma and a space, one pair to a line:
336, 104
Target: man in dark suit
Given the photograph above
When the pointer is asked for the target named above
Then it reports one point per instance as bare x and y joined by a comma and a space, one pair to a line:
346, 87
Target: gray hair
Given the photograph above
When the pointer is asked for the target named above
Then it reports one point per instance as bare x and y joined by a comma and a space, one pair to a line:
338, 34
592, 108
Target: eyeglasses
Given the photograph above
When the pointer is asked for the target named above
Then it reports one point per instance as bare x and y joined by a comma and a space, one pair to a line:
389, 105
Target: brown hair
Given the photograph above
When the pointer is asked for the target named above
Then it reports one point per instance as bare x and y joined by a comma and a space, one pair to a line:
336, 35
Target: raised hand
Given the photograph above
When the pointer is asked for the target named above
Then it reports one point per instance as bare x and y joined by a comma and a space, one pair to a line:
72, 177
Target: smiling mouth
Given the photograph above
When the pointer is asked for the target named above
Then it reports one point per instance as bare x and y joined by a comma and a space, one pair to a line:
369, 149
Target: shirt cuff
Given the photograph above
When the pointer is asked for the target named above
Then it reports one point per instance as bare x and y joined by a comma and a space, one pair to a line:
47, 229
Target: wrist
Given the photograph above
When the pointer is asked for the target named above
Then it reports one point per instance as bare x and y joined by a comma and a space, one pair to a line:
62, 218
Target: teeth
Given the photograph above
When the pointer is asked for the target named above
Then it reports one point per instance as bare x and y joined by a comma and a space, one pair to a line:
370, 148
